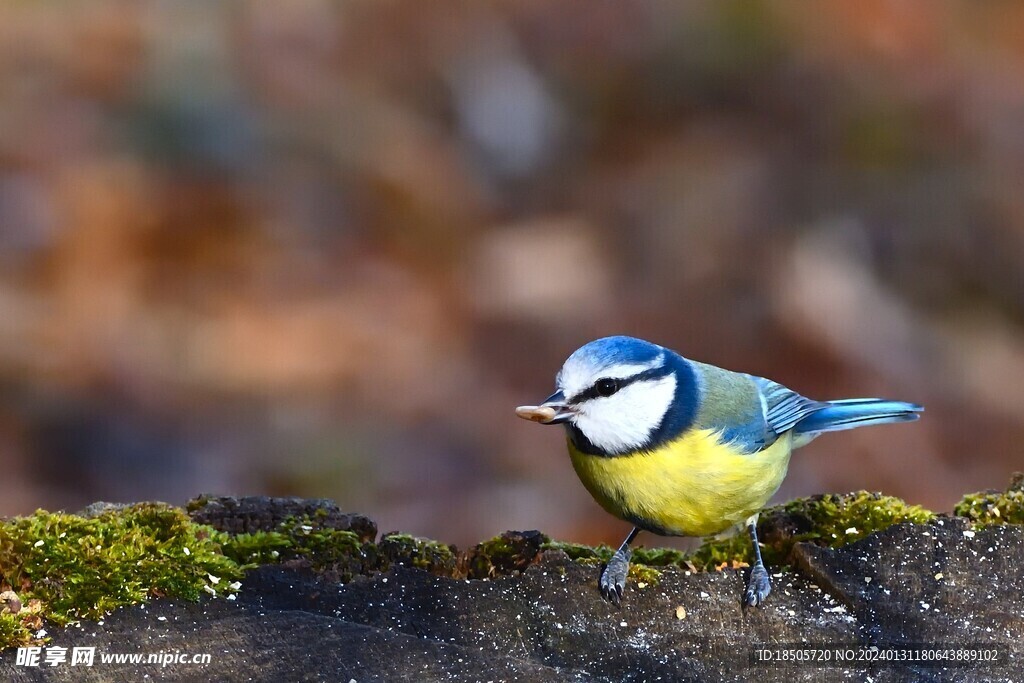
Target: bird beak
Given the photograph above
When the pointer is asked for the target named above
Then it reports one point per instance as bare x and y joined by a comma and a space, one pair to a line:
553, 411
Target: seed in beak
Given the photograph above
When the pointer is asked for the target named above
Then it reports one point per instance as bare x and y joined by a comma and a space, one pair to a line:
537, 413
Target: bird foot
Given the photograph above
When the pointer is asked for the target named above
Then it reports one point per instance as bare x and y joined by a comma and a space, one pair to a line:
613, 578
758, 587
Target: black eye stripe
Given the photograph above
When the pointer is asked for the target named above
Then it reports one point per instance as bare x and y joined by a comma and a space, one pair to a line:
591, 392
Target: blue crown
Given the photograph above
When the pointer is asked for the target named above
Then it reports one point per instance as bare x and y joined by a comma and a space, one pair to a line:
618, 349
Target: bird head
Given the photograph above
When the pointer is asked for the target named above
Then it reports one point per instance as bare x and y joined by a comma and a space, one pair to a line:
612, 394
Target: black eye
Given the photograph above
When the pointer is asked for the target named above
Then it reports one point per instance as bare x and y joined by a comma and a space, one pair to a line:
606, 387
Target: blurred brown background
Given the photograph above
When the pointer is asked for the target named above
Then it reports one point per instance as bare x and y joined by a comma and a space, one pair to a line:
324, 248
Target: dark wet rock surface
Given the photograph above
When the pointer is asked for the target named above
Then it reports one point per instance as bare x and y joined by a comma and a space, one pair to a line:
940, 583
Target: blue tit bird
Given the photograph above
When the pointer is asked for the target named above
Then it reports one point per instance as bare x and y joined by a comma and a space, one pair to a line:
681, 448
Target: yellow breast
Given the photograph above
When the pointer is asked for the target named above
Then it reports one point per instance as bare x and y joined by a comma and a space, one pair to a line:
693, 486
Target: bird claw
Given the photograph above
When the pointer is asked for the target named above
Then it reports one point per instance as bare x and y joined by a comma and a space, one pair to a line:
758, 587
613, 578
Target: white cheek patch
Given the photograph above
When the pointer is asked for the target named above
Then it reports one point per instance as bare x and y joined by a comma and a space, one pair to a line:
625, 420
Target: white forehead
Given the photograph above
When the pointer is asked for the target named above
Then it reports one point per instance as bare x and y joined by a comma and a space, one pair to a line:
582, 370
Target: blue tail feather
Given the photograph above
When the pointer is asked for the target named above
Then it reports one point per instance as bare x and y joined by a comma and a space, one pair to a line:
857, 412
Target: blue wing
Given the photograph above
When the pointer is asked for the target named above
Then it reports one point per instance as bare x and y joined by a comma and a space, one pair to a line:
749, 412
752, 412
784, 408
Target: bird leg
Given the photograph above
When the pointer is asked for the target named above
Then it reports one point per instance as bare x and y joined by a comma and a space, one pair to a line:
613, 577
759, 585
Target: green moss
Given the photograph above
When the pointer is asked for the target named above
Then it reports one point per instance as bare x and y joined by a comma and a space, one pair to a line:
581, 553
323, 549
84, 567
994, 507
421, 553
643, 574
659, 557
511, 552
642, 564
65, 568
345, 555
198, 502
836, 520
337, 551
19, 629
649, 558
832, 520
716, 552
498, 549
261, 547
